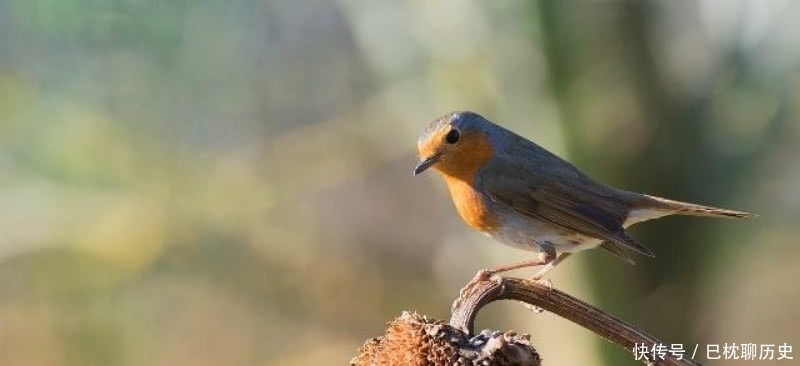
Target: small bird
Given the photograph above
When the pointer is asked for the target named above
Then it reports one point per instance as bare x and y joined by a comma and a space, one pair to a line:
522, 195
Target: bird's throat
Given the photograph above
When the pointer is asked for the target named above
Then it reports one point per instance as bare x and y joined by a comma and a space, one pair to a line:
471, 206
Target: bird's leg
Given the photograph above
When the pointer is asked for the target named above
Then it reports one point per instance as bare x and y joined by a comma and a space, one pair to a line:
545, 257
549, 267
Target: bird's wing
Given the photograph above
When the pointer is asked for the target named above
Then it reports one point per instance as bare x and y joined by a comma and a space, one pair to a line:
618, 251
558, 193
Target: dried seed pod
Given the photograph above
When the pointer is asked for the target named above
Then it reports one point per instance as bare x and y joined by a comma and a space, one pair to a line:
413, 339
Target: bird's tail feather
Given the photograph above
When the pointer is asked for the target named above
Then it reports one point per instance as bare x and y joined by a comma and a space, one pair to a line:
692, 209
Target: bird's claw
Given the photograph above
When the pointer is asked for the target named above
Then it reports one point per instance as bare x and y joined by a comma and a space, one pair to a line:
485, 275
482, 276
543, 282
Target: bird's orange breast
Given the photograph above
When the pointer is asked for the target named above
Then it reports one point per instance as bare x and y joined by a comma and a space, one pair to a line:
460, 168
474, 210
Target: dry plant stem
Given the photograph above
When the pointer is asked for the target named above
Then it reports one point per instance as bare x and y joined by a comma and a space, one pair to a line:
485, 289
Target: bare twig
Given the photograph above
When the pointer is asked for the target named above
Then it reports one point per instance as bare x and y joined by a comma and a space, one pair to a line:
485, 289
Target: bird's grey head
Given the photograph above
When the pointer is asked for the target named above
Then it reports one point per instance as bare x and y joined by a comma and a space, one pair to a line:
464, 121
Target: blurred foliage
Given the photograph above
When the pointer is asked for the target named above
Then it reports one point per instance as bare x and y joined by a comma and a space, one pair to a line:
228, 182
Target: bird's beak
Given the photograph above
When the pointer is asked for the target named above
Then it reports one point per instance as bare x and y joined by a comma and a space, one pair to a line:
427, 163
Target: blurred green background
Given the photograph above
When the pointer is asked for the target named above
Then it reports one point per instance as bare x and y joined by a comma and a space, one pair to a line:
229, 182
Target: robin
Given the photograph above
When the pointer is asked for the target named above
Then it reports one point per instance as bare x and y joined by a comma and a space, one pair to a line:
520, 194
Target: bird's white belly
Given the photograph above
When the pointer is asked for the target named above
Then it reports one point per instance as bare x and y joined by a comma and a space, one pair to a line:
534, 235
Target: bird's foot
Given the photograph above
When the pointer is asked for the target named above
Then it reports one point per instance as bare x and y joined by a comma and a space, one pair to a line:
542, 281
482, 276
485, 275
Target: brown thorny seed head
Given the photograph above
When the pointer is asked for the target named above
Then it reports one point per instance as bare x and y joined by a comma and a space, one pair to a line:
415, 340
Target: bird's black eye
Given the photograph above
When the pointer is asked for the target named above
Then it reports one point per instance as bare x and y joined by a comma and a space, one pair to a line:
452, 137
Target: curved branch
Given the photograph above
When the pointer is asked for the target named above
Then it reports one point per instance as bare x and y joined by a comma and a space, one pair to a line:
484, 289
